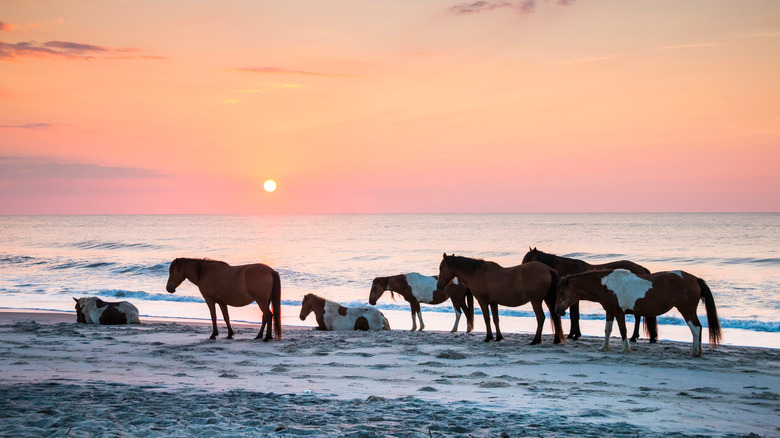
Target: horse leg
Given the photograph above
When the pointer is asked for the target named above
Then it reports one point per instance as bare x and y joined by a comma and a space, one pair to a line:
651, 323
539, 312
638, 322
486, 314
457, 318
574, 316
695, 326
267, 321
414, 317
621, 320
419, 315
213, 312
223, 308
607, 332
494, 309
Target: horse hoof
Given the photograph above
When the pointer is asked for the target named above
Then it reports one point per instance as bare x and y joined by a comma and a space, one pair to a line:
488, 339
212, 337
230, 337
556, 341
534, 342
633, 340
653, 341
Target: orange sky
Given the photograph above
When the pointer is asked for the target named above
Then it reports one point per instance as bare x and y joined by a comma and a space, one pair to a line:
358, 106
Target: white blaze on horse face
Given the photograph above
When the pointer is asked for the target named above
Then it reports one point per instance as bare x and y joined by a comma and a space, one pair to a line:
627, 287
422, 286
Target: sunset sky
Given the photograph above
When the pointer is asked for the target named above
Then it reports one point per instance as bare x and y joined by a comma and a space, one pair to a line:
385, 106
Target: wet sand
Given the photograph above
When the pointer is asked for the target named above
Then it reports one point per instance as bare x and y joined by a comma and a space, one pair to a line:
167, 378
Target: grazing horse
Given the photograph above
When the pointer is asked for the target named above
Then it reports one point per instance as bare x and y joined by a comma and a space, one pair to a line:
225, 285
493, 284
417, 288
333, 316
93, 310
620, 292
566, 266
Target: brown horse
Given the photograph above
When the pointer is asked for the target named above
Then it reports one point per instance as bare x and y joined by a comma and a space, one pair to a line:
620, 292
493, 284
566, 266
417, 288
236, 286
331, 315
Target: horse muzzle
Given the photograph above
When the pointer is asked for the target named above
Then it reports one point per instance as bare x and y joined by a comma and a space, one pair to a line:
561, 311
170, 289
440, 285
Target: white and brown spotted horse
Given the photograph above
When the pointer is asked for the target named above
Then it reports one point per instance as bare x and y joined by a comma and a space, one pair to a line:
333, 316
417, 288
93, 310
620, 292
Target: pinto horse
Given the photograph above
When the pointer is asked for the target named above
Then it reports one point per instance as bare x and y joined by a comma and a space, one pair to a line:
331, 315
417, 288
620, 292
236, 286
493, 284
566, 266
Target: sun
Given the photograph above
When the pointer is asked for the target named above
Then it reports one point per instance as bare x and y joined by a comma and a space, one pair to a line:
269, 185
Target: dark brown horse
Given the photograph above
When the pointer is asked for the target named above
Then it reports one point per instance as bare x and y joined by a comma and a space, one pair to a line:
493, 284
566, 266
417, 288
236, 286
620, 292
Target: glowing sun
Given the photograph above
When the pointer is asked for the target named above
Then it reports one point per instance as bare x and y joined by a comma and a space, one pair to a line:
269, 185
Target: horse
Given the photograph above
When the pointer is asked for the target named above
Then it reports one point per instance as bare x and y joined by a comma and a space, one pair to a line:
93, 310
493, 284
417, 288
236, 286
566, 266
620, 292
333, 316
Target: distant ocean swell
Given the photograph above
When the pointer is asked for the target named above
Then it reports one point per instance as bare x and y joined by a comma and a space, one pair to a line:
754, 325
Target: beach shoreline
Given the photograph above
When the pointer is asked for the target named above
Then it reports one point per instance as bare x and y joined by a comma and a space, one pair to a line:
165, 376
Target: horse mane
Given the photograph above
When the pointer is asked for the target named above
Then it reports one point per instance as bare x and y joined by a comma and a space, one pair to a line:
466, 265
548, 258
315, 298
202, 260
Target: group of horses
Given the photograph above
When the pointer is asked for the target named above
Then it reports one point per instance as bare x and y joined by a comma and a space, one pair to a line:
621, 287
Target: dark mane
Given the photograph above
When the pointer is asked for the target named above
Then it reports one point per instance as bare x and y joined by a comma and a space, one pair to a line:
549, 259
464, 264
202, 260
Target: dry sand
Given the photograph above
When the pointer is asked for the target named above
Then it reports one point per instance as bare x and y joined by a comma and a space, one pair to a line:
166, 378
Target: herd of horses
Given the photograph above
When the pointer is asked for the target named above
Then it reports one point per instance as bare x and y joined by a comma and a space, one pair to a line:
621, 287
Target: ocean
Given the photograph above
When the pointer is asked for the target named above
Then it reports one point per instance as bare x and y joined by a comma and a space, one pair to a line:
46, 260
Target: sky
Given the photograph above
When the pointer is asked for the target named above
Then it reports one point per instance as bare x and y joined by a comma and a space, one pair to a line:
389, 106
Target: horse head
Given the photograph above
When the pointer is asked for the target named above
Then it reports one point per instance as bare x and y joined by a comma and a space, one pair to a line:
446, 273
531, 255
378, 287
176, 275
79, 310
305, 307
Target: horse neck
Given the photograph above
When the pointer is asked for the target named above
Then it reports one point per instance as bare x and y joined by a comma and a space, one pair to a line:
588, 285
191, 269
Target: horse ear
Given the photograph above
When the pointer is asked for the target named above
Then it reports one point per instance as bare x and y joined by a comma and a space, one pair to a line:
74, 299
444, 255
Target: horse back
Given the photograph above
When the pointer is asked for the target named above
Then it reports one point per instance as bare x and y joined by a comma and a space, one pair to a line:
624, 264
237, 285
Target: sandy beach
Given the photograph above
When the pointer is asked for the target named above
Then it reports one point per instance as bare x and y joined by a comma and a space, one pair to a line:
164, 377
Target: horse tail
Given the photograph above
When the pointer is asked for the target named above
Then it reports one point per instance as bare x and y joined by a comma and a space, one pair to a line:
712, 314
550, 298
276, 301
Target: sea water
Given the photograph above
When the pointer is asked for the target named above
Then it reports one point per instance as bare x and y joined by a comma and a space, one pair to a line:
47, 260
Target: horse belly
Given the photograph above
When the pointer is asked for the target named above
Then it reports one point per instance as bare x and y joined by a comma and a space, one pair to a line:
422, 287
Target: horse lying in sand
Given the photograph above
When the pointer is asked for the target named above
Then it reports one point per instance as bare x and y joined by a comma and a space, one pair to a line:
620, 292
93, 310
235, 286
566, 266
333, 316
417, 288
